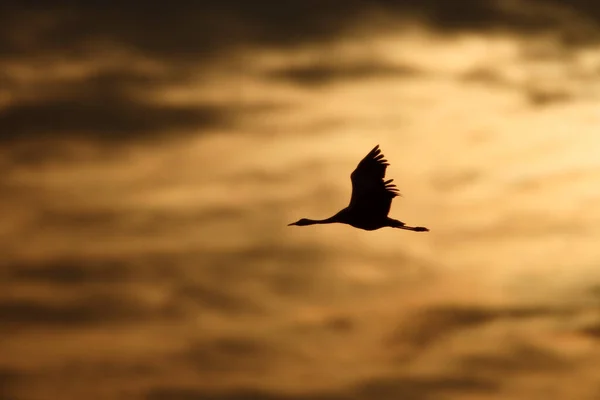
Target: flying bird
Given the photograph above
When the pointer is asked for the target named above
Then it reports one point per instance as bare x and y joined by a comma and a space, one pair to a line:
371, 198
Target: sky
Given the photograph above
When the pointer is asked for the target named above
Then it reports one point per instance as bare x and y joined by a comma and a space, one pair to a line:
153, 155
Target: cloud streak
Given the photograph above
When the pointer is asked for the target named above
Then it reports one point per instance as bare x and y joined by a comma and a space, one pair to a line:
195, 31
320, 74
116, 104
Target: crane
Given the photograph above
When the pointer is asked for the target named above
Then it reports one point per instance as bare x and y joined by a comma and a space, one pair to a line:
371, 198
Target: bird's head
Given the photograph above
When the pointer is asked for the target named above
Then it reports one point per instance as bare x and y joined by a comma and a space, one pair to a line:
301, 222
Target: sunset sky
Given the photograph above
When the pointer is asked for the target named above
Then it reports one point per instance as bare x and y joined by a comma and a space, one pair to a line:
154, 153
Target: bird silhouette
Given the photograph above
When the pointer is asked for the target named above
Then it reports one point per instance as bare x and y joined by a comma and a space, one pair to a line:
371, 198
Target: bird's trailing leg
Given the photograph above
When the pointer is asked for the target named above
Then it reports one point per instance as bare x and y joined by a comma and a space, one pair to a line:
394, 223
413, 228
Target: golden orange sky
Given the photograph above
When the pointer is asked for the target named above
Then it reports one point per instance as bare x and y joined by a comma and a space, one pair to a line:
152, 161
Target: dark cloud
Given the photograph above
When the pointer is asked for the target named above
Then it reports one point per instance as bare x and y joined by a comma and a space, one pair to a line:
9, 379
81, 311
74, 272
112, 106
186, 30
69, 271
105, 116
218, 298
281, 272
516, 360
536, 95
321, 74
592, 330
174, 393
594, 293
194, 30
486, 76
380, 389
436, 323
111, 118
337, 324
230, 354
425, 388
298, 270
340, 324
298, 277
97, 219
128, 221
81, 369
539, 97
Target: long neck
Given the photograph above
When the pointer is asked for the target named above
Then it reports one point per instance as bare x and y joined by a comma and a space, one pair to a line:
329, 220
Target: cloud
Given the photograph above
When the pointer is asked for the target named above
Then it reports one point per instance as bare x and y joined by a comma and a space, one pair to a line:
69, 272
174, 393
9, 378
540, 97
103, 113
128, 220
301, 272
218, 298
228, 354
83, 311
435, 323
425, 388
381, 389
113, 105
518, 359
537, 92
318, 74
592, 330
194, 31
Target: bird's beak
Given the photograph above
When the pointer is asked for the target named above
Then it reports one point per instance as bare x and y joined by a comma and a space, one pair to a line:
293, 223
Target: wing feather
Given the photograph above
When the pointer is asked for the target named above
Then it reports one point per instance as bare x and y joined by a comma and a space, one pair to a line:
370, 192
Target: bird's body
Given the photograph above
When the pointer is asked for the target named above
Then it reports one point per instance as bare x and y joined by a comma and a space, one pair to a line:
371, 198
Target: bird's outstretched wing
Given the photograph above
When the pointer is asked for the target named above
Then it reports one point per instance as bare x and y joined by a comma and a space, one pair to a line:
370, 192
